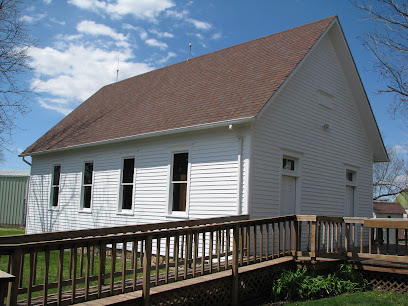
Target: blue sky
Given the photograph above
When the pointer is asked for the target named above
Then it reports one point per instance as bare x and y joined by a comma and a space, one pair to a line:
81, 44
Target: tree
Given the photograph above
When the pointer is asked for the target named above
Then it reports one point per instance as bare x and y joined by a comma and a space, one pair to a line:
388, 43
390, 178
14, 66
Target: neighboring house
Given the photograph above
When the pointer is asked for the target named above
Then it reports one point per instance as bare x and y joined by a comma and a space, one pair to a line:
277, 125
402, 198
13, 193
388, 210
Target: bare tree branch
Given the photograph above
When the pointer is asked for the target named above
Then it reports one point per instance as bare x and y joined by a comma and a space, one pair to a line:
390, 178
15, 92
388, 43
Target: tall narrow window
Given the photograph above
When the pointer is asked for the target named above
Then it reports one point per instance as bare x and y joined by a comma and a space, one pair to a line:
179, 181
128, 171
55, 185
87, 185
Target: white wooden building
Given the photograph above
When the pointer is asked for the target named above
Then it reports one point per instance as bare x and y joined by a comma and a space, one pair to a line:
277, 125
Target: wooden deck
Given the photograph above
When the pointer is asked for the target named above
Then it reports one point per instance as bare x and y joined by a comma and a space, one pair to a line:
147, 261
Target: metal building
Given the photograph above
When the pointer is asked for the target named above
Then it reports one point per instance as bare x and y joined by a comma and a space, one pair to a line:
13, 192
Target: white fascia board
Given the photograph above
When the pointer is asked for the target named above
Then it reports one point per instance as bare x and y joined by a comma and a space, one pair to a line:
147, 135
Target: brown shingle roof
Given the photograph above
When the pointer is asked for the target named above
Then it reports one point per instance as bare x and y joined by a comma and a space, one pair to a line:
228, 84
388, 208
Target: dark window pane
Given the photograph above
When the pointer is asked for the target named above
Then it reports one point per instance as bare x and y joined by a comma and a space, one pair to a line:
127, 196
88, 173
87, 197
128, 170
180, 165
56, 175
349, 176
288, 164
55, 193
179, 197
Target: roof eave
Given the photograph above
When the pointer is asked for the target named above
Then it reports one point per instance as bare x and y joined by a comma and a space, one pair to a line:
147, 135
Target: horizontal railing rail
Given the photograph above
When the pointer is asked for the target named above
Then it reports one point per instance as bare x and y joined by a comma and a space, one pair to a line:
69, 267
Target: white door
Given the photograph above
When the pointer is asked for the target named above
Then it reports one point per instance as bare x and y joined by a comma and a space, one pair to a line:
288, 195
349, 201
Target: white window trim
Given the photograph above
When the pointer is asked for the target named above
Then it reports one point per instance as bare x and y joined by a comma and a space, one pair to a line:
81, 202
50, 207
170, 212
297, 156
119, 210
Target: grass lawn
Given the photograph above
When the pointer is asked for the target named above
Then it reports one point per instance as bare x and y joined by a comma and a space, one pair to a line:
53, 267
368, 298
5, 231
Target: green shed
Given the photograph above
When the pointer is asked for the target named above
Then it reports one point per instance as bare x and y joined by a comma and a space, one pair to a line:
13, 194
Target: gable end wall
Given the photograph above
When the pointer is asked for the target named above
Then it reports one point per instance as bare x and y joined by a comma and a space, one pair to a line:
294, 121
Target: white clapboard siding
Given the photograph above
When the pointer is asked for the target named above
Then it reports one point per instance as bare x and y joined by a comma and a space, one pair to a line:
294, 122
213, 181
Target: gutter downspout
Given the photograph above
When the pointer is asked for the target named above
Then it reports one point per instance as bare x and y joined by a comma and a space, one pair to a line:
239, 193
28, 163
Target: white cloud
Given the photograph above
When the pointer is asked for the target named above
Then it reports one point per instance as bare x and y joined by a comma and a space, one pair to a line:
165, 59
95, 29
400, 149
216, 35
200, 25
92, 5
142, 33
56, 105
176, 14
69, 37
142, 9
71, 76
161, 34
32, 19
199, 36
47, 1
155, 43
60, 22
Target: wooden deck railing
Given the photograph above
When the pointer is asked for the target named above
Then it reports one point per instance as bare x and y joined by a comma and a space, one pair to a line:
96, 263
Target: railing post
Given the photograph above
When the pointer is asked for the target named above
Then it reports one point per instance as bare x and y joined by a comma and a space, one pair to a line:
235, 275
102, 266
147, 260
5, 279
347, 239
16, 258
314, 241
296, 238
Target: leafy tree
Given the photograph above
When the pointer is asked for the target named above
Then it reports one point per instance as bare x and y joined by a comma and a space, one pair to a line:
14, 65
388, 43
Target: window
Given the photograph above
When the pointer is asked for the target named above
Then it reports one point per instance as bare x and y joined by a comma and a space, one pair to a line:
288, 164
87, 185
179, 180
126, 185
350, 176
56, 174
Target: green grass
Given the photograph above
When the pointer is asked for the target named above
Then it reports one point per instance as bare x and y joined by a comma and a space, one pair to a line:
6, 231
53, 270
368, 298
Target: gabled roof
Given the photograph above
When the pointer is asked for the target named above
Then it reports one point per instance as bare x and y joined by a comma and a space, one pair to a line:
388, 208
228, 86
